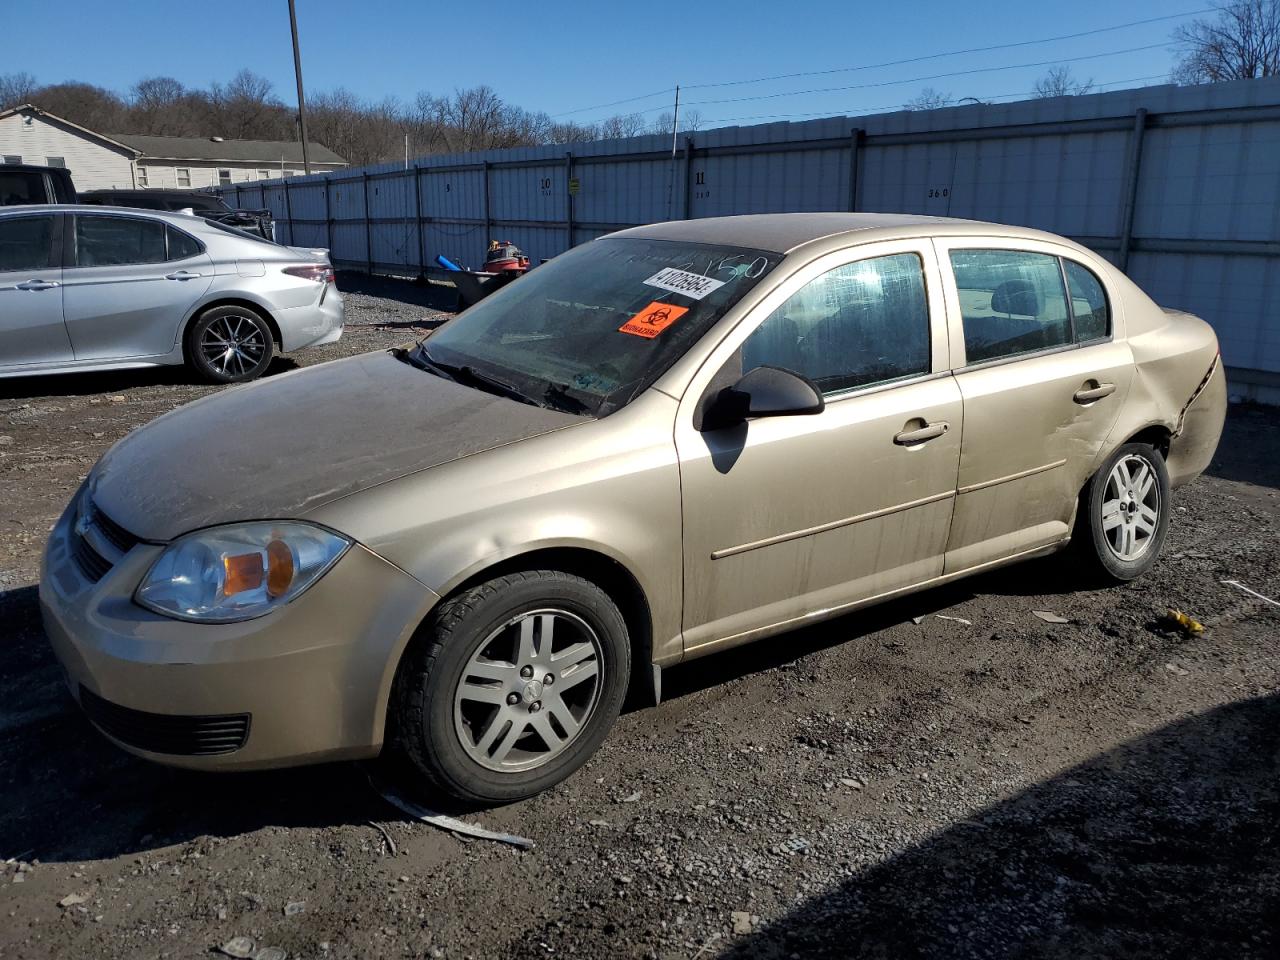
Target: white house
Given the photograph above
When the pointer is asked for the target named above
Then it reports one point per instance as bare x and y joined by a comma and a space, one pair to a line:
125, 161
96, 162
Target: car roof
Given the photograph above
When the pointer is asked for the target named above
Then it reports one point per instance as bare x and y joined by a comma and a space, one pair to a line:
161, 194
784, 232
179, 219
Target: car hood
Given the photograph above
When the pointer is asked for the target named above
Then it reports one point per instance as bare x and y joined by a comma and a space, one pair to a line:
281, 447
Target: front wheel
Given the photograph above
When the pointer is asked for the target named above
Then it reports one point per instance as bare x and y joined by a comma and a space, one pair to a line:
229, 344
515, 686
1126, 512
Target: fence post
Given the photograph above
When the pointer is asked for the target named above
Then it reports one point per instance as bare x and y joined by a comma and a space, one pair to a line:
568, 200
488, 220
238, 207
688, 177
855, 166
1133, 164
328, 219
288, 209
417, 207
368, 224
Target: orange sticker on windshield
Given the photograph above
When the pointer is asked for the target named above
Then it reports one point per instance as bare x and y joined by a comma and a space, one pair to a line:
653, 319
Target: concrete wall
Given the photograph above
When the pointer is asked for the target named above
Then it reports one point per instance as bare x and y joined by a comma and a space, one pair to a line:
94, 165
1179, 186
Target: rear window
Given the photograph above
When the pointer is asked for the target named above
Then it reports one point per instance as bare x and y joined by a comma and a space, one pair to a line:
20, 188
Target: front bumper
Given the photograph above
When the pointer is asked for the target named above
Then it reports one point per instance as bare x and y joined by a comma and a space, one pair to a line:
313, 677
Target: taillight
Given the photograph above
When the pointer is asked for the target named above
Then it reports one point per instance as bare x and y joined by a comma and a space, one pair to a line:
319, 272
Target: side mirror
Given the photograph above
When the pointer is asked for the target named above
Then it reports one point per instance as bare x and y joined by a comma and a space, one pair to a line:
764, 392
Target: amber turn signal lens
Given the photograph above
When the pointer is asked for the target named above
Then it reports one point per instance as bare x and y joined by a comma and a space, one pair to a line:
242, 572
279, 568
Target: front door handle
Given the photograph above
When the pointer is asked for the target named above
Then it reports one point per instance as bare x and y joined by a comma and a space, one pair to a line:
909, 438
182, 275
1090, 394
37, 285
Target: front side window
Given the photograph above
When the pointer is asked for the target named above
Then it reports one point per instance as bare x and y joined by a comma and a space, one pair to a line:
1088, 303
111, 241
857, 325
590, 330
183, 175
224, 176
25, 243
1011, 302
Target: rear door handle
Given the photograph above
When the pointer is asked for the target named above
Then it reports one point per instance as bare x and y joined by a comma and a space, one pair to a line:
1090, 394
37, 285
909, 438
182, 275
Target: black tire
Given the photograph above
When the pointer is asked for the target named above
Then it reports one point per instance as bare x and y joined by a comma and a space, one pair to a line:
1095, 545
435, 665
248, 329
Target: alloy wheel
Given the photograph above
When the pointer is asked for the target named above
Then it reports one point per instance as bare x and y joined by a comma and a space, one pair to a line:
233, 345
1130, 507
528, 691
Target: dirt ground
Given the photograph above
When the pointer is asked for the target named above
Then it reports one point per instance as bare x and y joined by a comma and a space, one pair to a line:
868, 787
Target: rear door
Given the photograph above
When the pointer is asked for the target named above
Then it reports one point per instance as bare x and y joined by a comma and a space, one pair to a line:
1043, 375
131, 281
31, 327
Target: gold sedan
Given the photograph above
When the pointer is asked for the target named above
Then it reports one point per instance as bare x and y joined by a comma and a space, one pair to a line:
663, 443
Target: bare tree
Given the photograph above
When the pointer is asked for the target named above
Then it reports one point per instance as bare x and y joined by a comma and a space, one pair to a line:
82, 103
1240, 43
929, 99
162, 106
16, 88
622, 125
1059, 82
248, 110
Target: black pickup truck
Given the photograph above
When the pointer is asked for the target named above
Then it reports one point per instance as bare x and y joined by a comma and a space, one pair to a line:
206, 205
22, 183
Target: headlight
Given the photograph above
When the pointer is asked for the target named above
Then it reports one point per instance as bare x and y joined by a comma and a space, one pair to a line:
238, 572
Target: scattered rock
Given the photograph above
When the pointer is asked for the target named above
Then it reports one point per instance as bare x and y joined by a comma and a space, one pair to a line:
293, 908
72, 900
242, 947
1176, 670
632, 798
743, 922
1048, 616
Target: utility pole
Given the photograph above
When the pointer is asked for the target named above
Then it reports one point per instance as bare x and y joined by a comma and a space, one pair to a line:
675, 120
406, 151
297, 69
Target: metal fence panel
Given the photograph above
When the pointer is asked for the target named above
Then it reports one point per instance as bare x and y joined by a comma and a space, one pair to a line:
1179, 186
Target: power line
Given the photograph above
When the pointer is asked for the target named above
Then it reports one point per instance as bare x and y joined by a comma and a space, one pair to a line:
935, 76
953, 53
893, 63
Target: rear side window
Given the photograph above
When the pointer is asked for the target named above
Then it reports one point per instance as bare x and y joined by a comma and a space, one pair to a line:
1011, 302
1088, 303
181, 245
22, 187
25, 243
111, 241
857, 325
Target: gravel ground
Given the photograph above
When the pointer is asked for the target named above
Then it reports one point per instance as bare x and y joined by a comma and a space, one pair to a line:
871, 786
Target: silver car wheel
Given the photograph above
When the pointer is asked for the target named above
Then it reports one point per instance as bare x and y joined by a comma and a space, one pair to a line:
528, 691
233, 345
1130, 507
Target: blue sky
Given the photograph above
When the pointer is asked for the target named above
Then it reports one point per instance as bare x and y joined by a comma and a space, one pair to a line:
559, 57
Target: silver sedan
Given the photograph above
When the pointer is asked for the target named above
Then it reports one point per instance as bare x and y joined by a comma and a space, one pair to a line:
102, 288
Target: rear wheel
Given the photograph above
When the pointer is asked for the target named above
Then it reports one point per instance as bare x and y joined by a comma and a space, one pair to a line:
516, 685
1126, 513
229, 344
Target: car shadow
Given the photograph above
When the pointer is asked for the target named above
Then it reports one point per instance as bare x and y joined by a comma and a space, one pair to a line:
433, 296
1168, 845
115, 381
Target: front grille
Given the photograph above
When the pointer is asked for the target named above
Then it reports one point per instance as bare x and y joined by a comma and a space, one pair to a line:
116, 535
178, 735
91, 563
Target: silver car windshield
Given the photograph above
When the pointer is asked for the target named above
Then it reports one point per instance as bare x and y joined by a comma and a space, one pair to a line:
590, 330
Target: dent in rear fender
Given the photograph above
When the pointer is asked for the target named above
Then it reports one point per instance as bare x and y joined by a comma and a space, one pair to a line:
611, 487
1199, 428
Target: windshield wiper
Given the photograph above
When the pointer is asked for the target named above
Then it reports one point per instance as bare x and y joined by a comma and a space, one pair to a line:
465, 374
557, 395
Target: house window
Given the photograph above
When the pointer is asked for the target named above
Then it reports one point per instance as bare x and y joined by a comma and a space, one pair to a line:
12, 158
264, 174
142, 177
184, 176
296, 173
224, 176
55, 161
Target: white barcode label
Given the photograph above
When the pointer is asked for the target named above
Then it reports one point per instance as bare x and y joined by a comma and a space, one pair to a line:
693, 285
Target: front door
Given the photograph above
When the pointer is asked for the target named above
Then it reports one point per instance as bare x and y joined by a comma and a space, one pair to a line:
132, 282
789, 517
1043, 376
31, 327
